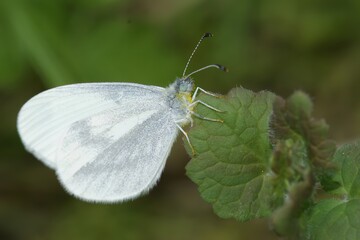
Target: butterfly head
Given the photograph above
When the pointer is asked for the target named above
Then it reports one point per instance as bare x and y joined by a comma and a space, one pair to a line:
184, 85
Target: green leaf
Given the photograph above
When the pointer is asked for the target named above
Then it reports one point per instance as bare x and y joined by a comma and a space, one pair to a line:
265, 158
338, 218
333, 220
232, 158
347, 158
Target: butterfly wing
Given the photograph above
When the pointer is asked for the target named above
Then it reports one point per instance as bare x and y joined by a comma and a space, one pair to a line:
45, 118
116, 155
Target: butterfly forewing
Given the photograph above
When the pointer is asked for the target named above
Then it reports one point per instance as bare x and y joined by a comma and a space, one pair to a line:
44, 119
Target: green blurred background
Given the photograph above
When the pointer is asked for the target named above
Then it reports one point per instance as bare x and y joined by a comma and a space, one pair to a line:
278, 45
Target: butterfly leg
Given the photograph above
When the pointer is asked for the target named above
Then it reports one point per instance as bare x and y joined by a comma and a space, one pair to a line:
191, 121
206, 118
187, 138
206, 105
204, 91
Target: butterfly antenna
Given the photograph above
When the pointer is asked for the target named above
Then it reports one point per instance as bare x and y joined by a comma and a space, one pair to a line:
206, 35
218, 66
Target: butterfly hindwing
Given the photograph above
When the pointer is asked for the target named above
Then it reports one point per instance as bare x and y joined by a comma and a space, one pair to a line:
114, 157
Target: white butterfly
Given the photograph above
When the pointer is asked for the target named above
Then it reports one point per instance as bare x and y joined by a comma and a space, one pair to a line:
108, 142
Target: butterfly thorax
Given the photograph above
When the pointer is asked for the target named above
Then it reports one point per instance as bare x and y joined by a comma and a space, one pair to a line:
180, 99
